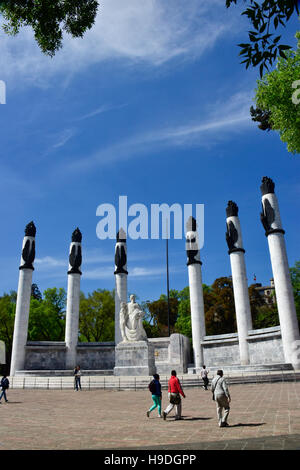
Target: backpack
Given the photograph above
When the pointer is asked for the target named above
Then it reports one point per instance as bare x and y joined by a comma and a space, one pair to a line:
152, 387
5, 383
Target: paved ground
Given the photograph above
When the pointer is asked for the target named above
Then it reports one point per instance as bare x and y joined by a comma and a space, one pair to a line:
263, 416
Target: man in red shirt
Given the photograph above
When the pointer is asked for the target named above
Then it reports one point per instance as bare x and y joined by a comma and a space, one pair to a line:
174, 392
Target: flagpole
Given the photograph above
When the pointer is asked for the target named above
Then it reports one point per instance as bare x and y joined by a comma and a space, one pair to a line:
168, 292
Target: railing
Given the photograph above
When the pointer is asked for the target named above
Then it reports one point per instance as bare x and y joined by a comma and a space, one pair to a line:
141, 383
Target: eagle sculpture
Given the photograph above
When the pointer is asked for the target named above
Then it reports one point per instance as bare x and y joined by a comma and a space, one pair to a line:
232, 235
120, 259
267, 215
28, 254
191, 252
75, 259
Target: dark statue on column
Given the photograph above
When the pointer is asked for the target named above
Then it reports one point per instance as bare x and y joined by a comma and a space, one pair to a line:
192, 249
28, 252
75, 256
120, 254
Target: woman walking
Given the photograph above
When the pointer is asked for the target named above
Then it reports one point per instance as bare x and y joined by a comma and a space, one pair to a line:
155, 389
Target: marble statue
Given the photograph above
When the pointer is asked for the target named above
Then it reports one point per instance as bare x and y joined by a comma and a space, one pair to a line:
131, 321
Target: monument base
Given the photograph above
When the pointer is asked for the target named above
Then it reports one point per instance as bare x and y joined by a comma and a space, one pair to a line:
134, 358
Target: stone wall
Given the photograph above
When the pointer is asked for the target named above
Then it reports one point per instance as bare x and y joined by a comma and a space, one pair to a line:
221, 350
51, 355
96, 356
265, 347
169, 353
45, 355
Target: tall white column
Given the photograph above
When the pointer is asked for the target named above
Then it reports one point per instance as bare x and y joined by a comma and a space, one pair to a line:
121, 274
239, 280
270, 218
196, 291
73, 297
23, 300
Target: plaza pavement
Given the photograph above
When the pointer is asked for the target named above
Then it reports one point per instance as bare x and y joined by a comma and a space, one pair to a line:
263, 416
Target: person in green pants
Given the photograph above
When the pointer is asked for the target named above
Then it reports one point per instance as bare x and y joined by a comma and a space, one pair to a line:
155, 390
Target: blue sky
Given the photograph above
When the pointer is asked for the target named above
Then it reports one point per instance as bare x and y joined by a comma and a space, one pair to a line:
152, 103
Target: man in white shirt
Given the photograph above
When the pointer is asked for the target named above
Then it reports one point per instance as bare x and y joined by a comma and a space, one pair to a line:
222, 398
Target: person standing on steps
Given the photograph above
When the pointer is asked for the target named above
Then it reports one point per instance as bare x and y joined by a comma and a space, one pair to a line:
155, 389
174, 392
77, 376
222, 398
204, 375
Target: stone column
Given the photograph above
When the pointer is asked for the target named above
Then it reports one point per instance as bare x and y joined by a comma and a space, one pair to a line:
23, 300
73, 296
270, 218
121, 274
196, 291
239, 279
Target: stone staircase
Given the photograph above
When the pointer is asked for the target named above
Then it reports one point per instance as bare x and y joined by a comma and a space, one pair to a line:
251, 368
105, 380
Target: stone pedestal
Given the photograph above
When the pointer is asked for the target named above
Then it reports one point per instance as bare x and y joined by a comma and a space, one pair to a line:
134, 358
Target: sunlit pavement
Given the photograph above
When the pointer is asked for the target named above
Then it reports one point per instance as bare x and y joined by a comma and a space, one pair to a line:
262, 416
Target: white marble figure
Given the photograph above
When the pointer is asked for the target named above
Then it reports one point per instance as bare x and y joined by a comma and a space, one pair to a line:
131, 321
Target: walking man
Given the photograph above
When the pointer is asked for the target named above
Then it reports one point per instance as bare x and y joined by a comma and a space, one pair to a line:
222, 398
204, 375
174, 392
4, 385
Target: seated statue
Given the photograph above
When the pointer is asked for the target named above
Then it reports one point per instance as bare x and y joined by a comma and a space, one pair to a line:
131, 321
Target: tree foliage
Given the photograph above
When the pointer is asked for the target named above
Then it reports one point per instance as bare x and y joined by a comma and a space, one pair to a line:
220, 310
263, 315
7, 319
295, 277
97, 316
47, 316
49, 19
156, 323
265, 17
278, 95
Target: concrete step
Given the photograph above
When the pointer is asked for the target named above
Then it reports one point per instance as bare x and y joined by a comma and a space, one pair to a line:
110, 382
243, 369
61, 373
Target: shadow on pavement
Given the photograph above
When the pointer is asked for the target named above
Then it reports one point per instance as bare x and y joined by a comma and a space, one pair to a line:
248, 424
187, 418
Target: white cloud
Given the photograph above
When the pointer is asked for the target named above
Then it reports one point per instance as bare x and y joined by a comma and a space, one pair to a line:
100, 110
64, 137
50, 262
136, 273
222, 119
149, 32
